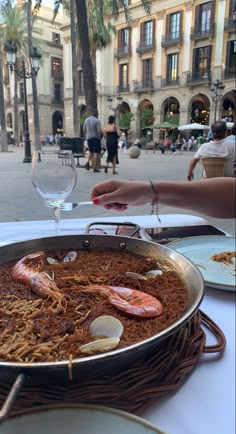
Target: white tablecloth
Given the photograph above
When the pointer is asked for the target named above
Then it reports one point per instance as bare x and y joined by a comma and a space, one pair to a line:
205, 403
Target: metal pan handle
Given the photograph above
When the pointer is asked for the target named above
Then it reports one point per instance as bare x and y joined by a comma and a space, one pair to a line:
12, 395
134, 227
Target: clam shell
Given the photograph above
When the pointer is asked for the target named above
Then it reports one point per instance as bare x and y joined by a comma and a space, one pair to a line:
71, 256
135, 276
107, 326
52, 260
154, 273
100, 346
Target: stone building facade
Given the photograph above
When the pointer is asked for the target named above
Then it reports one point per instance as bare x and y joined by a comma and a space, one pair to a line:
50, 81
166, 61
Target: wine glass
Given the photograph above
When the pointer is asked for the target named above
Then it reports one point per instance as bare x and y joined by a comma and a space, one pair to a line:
54, 176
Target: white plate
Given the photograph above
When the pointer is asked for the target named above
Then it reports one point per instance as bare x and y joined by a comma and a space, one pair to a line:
77, 419
200, 249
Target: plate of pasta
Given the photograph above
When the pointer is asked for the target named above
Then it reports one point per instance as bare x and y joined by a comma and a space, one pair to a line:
213, 255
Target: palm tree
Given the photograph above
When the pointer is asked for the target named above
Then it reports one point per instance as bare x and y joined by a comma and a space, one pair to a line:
15, 30
83, 30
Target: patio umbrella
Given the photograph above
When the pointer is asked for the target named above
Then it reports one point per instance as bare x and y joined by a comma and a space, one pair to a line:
193, 126
165, 126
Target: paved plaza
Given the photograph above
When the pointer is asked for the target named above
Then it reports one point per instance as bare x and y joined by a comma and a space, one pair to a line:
19, 200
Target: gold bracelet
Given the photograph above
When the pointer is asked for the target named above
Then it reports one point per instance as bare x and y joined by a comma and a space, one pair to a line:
154, 203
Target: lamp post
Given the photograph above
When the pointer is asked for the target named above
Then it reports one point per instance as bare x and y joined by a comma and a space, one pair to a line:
110, 101
217, 88
35, 57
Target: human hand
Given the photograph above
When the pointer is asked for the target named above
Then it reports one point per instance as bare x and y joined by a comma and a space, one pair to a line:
190, 176
119, 195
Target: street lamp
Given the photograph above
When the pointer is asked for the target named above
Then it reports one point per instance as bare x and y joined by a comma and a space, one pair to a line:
35, 57
217, 88
110, 101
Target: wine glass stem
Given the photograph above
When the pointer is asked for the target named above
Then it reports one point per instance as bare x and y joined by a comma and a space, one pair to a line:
56, 211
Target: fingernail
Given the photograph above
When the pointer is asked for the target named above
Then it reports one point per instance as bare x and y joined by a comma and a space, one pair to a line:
95, 201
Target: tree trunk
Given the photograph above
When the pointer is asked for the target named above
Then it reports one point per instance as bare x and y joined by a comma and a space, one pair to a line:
74, 68
16, 111
4, 143
34, 85
88, 75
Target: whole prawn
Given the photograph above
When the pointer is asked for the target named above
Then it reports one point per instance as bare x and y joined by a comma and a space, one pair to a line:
130, 301
40, 283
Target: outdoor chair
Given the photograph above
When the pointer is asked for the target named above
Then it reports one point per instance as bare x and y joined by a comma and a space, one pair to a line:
214, 166
150, 147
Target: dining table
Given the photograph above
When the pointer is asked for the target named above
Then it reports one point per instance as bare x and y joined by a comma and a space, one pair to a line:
205, 401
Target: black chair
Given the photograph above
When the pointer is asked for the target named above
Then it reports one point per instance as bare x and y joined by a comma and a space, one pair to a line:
74, 144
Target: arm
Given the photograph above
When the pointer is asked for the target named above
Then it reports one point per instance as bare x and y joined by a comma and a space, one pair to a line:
213, 197
191, 168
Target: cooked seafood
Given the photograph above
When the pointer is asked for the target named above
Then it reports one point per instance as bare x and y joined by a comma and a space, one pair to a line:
132, 302
33, 292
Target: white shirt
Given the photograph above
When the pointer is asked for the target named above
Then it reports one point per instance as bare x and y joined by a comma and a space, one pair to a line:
222, 148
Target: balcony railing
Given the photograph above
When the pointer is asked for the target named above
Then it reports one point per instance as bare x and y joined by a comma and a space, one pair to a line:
57, 75
122, 52
230, 73
198, 33
169, 40
230, 24
197, 77
144, 46
168, 82
123, 89
57, 101
143, 86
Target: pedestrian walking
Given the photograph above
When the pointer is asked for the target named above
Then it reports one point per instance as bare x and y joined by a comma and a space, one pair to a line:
93, 133
111, 134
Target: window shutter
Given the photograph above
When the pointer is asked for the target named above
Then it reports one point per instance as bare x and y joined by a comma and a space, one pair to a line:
232, 8
168, 29
142, 33
153, 30
209, 61
181, 22
195, 61
228, 56
197, 17
120, 76
129, 39
212, 14
119, 38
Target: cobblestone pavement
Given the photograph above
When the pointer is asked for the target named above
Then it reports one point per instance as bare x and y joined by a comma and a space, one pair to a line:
19, 200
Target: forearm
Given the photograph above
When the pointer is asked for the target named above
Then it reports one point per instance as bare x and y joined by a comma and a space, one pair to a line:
191, 168
216, 199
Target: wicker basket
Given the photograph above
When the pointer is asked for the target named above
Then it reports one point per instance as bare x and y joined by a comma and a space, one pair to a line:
141, 384
214, 167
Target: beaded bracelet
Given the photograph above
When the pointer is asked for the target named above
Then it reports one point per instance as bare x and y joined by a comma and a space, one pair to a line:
155, 201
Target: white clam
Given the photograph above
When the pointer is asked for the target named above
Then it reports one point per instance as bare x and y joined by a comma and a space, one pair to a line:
135, 276
52, 260
100, 346
106, 326
154, 273
71, 256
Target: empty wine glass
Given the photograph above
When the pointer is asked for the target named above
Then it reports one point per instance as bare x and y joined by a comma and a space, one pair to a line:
54, 176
